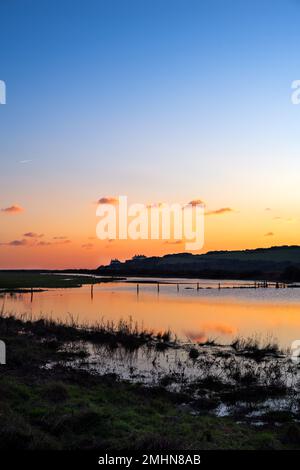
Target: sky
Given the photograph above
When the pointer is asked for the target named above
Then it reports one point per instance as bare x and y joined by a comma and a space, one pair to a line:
158, 100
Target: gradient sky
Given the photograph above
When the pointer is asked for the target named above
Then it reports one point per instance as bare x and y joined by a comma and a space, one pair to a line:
159, 100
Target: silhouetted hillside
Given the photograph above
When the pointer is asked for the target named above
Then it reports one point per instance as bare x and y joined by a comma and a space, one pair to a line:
275, 263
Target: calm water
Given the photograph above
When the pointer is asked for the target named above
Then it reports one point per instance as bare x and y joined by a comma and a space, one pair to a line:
197, 315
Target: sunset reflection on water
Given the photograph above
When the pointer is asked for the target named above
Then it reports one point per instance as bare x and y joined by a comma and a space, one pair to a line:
196, 315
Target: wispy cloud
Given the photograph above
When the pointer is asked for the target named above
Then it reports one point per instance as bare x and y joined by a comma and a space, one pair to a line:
32, 240
61, 237
57, 242
269, 234
14, 209
87, 246
62, 242
33, 235
15, 243
196, 202
222, 210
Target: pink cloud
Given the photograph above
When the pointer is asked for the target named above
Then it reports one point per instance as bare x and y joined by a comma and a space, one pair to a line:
108, 200
221, 211
196, 202
14, 209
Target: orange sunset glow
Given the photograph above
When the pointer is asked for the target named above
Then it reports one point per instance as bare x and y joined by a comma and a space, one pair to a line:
34, 239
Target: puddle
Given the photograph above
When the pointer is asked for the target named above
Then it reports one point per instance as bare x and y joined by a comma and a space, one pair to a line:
205, 379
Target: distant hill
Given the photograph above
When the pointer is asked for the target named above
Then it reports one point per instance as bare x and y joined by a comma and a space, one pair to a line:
275, 263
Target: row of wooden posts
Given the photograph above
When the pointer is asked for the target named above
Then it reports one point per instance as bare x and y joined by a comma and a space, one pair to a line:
255, 285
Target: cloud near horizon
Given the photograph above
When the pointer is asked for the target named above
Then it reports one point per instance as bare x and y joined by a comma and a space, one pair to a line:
16, 243
14, 209
269, 234
47, 243
108, 200
59, 242
222, 210
87, 246
196, 202
32, 241
175, 242
33, 235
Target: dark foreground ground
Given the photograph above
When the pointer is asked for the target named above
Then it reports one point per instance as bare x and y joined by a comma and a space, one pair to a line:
63, 408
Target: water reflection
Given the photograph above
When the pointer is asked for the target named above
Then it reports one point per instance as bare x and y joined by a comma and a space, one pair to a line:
197, 310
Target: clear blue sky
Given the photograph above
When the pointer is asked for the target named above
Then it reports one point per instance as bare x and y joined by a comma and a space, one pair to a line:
156, 99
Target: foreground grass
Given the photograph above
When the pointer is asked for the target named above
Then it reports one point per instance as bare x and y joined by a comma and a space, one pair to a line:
67, 410
60, 408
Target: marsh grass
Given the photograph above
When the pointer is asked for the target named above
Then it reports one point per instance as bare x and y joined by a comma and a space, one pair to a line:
256, 347
126, 333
